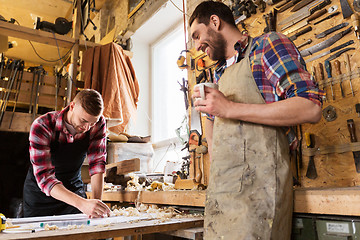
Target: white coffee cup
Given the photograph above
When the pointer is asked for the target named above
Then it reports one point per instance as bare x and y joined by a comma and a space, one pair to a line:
201, 87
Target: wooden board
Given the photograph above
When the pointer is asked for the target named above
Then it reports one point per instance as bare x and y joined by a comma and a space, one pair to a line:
21, 122
125, 166
115, 230
181, 198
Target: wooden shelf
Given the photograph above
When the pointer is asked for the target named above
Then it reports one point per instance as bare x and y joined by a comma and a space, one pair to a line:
332, 201
13, 30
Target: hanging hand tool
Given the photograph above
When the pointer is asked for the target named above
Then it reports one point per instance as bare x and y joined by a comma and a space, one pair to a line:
32, 88
356, 154
184, 89
322, 77
356, 24
331, 30
305, 22
330, 51
41, 73
288, 5
327, 43
357, 109
311, 169
200, 166
345, 9
348, 70
300, 5
296, 35
338, 74
303, 13
328, 70
18, 86
304, 44
356, 5
337, 54
328, 17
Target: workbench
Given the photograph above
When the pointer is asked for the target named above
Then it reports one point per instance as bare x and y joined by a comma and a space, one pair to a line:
113, 230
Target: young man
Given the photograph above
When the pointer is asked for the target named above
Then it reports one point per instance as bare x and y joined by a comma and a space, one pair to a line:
263, 87
59, 142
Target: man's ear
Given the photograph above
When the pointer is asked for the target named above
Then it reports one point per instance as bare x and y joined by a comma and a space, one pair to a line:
215, 21
72, 105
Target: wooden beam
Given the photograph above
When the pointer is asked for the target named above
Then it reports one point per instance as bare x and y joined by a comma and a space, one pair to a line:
125, 166
16, 31
337, 201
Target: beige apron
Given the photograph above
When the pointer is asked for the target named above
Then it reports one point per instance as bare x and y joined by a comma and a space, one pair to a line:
250, 188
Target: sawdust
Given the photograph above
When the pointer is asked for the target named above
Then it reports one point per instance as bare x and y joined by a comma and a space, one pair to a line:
50, 227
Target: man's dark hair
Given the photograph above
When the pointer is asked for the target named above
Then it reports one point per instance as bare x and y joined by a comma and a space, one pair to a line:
205, 9
91, 101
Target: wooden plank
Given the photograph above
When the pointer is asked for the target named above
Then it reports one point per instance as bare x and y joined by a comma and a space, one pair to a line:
44, 89
181, 198
63, 41
191, 233
125, 166
337, 201
110, 231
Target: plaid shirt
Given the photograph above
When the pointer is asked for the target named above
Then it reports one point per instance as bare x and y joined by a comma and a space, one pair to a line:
279, 71
42, 133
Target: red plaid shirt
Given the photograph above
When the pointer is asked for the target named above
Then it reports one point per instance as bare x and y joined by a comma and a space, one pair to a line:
42, 133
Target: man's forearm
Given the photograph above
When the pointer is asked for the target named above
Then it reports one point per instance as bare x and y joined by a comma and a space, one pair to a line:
97, 184
289, 112
59, 192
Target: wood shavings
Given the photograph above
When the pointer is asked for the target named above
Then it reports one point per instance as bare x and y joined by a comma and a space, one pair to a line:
70, 227
159, 186
133, 184
50, 227
128, 212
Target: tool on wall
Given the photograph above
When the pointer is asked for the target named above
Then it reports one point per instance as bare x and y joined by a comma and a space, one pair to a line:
307, 42
348, 70
356, 5
334, 49
303, 13
324, 44
305, 22
329, 75
270, 21
357, 109
17, 87
296, 35
337, 54
184, 89
311, 169
329, 113
287, 5
300, 5
356, 154
356, 24
331, 30
327, 17
322, 77
338, 74
345, 9
181, 60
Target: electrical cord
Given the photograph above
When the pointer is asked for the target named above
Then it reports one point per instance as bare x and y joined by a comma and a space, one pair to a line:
178, 8
47, 60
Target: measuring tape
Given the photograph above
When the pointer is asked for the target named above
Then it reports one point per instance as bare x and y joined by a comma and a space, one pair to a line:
2, 222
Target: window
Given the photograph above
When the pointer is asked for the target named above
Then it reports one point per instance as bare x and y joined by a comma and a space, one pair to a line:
168, 106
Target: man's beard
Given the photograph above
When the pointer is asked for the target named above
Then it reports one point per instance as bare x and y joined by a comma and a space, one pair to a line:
217, 45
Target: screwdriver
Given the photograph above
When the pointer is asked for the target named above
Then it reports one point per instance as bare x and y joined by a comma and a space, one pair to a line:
328, 70
338, 73
328, 17
311, 169
321, 77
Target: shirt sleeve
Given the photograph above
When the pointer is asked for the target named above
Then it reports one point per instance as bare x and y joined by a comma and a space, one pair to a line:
285, 69
40, 157
97, 149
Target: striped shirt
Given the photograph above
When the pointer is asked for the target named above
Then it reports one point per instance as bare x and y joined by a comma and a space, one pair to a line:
42, 133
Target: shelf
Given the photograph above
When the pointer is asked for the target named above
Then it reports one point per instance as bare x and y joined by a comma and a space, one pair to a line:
332, 201
13, 30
